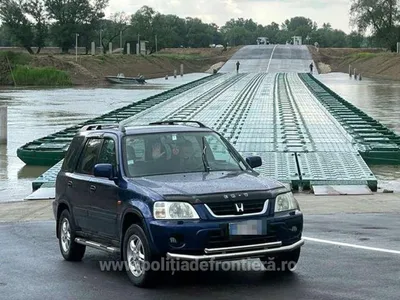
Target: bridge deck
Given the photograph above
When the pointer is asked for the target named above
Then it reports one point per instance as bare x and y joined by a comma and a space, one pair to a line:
274, 116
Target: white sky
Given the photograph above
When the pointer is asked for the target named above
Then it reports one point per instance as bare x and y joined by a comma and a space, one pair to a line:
264, 12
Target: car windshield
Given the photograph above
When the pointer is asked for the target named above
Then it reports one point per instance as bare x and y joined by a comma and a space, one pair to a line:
183, 152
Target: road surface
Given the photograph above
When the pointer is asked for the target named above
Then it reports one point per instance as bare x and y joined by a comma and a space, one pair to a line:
31, 267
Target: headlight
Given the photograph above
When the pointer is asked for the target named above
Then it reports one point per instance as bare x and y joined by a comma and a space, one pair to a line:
174, 211
285, 202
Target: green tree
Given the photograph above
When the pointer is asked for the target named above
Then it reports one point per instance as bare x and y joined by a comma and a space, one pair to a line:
26, 21
74, 16
272, 31
355, 40
299, 26
198, 34
5, 37
241, 31
142, 24
111, 28
381, 16
170, 31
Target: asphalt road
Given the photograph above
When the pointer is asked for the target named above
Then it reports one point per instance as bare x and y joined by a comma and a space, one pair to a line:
31, 267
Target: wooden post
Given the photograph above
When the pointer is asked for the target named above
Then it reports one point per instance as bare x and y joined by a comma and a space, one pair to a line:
3, 124
110, 48
175, 73
181, 70
350, 71
128, 48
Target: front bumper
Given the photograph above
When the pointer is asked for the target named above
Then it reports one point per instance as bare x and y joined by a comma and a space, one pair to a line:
232, 253
212, 237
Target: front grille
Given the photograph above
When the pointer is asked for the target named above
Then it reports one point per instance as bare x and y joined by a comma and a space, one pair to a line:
229, 208
220, 239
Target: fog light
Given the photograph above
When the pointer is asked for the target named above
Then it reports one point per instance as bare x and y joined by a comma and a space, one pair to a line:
176, 241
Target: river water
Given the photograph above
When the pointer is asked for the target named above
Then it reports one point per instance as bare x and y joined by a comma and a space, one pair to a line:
35, 113
380, 99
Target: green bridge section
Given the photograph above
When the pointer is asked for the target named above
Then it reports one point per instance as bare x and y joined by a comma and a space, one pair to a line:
376, 143
49, 150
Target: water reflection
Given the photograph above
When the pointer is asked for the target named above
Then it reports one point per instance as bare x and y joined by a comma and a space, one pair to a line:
380, 99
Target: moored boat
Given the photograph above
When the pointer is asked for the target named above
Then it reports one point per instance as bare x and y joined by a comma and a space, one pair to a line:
121, 79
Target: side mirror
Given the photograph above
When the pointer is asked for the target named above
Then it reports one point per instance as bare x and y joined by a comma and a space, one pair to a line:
104, 170
254, 161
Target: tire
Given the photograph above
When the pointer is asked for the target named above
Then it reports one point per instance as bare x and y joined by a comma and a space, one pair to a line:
285, 262
136, 252
70, 250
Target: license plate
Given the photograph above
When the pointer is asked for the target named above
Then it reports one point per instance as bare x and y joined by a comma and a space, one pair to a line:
253, 227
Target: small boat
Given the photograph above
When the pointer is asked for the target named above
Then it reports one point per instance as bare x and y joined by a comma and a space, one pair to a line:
121, 79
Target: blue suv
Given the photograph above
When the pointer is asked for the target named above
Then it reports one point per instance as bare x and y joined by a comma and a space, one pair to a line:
171, 191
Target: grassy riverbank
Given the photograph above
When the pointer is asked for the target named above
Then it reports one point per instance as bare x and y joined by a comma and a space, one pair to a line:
373, 63
17, 69
88, 70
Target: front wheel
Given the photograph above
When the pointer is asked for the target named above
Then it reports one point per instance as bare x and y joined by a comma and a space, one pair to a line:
70, 250
285, 262
138, 257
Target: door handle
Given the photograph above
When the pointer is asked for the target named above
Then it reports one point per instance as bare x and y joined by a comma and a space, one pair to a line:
69, 183
93, 188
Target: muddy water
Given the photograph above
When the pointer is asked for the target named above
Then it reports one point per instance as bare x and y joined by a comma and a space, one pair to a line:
380, 99
35, 113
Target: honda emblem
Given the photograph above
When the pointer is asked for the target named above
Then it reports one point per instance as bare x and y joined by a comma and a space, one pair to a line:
239, 207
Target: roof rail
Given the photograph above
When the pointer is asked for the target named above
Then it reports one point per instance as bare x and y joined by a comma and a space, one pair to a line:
98, 127
174, 122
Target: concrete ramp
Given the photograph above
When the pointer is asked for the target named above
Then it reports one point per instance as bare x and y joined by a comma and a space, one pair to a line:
270, 59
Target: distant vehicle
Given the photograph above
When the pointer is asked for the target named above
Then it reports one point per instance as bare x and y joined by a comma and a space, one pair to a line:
171, 190
219, 46
121, 79
262, 41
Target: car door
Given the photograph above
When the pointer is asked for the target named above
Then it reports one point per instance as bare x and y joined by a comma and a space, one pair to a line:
103, 208
65, 187
80, 182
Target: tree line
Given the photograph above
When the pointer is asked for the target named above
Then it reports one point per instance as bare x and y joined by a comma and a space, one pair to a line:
39, 23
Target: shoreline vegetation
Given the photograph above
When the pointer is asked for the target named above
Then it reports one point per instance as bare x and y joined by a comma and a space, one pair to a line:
57, 70
54, 70
16, 70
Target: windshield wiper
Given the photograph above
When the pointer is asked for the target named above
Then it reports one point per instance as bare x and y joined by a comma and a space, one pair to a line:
204, 157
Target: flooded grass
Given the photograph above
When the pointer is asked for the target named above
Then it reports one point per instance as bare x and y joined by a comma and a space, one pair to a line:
48, 76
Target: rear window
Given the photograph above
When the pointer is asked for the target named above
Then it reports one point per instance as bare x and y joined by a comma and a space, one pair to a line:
72, 156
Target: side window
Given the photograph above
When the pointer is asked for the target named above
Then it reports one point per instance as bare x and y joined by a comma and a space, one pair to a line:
72, 156
108, 153
89, 156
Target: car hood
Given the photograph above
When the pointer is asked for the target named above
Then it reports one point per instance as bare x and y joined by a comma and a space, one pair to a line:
206, 183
